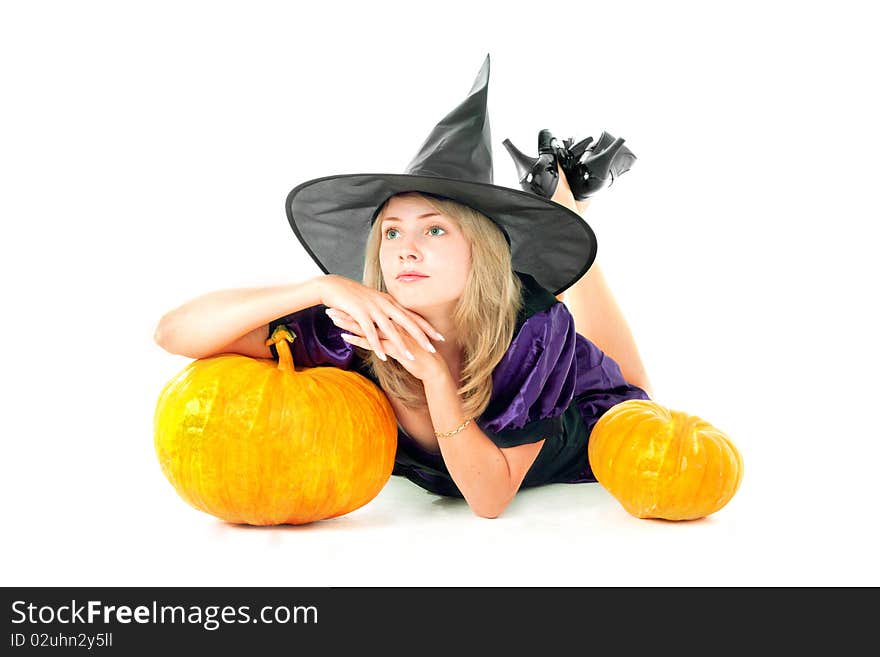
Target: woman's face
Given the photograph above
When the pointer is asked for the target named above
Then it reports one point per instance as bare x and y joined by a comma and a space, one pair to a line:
416, 237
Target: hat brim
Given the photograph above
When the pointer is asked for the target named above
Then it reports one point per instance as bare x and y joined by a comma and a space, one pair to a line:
332, 218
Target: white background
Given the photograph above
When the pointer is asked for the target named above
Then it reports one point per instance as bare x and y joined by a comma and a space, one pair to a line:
147, 150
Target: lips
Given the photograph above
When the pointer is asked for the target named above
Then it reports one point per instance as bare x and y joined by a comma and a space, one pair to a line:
410, 275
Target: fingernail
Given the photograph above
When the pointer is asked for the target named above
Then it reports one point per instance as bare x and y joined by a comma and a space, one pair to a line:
383, 356
430, 348
441, 337
410, 356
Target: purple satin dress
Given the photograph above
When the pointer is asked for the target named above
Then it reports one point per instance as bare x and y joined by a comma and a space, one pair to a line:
552, 383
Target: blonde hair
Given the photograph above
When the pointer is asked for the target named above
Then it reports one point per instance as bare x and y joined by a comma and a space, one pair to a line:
485, 315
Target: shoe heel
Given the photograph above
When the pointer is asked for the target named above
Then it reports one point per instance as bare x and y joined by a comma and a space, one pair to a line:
579, 148
600, 165
591, 167
537, 175
524, 164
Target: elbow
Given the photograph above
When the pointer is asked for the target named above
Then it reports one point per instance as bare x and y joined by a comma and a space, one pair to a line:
164, 336
490, 505
488, 511
177, 342
160, 335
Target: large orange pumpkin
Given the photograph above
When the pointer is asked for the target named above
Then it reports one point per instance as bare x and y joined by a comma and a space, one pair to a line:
253, 441
660, 463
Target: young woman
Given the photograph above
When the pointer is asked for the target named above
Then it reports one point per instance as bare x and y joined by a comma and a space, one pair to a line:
495, 383
465, 278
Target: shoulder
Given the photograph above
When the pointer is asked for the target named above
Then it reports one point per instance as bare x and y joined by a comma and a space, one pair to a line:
541, 318
535, 299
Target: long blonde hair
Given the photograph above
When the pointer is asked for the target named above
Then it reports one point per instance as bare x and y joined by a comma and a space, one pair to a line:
485, 316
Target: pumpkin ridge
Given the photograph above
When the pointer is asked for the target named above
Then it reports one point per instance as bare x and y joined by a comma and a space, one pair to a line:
222, 468
342, 424
256, 487
690, 443
281, 399
664, 434
730, 489
308, 491
195, 469
228, 398
720, 484
739, 461
693, 504
684, 438
348, 424
606, 463
634, 444
670, 444
355, 420
217, 456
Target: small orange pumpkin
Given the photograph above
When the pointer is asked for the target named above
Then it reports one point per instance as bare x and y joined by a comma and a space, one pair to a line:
660, 463
253, 441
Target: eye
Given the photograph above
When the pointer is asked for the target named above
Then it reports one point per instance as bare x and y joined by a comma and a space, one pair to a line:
388, 230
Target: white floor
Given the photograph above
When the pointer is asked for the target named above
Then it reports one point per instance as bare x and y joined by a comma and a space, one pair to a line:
99, 516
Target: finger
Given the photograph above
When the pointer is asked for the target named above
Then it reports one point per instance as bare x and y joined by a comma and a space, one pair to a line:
384, 322
361, 342
344, 321
334, 312
369, 331
356, 340
424, 325
416, 326
414, 331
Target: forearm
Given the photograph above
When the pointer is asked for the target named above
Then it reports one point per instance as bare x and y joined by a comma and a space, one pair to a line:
475, 463
212, 321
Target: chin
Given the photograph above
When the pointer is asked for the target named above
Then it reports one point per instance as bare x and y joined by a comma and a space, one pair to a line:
417, 298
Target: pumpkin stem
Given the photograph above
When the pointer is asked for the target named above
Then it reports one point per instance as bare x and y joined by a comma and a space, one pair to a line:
280, 338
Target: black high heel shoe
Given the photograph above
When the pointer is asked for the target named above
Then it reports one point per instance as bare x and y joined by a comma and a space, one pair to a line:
589, 166
538, 175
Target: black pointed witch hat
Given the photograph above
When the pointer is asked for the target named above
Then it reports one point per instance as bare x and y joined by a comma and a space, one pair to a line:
332, 216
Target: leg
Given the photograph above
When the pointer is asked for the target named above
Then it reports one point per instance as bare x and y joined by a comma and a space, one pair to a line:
598, 318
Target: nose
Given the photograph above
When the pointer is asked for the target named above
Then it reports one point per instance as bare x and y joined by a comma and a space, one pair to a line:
407, 249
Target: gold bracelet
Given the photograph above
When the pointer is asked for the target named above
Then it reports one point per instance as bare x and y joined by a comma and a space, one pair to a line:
453, 432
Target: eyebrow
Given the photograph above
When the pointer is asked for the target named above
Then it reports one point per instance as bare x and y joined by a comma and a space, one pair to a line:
421, 216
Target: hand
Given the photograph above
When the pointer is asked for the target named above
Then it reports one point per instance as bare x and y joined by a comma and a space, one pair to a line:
423, 365
366, 309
